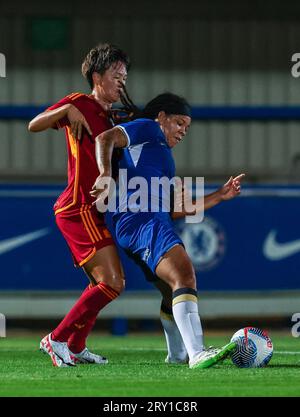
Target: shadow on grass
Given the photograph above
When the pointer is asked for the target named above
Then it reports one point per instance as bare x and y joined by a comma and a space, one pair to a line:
288, 365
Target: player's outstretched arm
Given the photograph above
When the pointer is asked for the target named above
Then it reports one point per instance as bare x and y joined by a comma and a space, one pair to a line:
231, 189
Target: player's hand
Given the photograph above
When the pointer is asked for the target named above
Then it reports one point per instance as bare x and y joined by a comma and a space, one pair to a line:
98, 187
77, 122
102, 188
182, 196
231, 188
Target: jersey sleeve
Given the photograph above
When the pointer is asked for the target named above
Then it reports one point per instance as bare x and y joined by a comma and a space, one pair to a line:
70, 99
141, 131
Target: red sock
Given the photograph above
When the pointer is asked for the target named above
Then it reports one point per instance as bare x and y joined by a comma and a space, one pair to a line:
84, 311
77, 340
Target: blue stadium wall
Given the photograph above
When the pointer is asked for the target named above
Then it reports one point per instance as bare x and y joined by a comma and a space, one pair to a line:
249, 243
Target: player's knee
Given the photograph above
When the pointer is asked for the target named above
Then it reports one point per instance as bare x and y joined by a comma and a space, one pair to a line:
189, 282
114, 279
117, 283
187, 278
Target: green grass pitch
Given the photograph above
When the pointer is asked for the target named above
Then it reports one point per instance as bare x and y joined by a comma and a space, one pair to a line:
136, 368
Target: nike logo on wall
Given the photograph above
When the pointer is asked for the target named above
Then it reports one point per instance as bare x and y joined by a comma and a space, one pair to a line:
15, 242
276, 251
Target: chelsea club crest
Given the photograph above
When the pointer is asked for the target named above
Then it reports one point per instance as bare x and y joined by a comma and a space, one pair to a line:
205, 243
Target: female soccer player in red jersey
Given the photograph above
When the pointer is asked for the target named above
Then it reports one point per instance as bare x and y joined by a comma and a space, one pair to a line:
84, 117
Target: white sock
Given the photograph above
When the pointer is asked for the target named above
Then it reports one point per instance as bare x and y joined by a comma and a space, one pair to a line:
186, 315
175, 345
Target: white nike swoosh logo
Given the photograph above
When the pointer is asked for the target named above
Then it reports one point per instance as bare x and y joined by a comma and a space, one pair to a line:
17, 241
276, 251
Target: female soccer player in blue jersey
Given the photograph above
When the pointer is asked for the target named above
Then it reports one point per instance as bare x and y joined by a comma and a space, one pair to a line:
148, 234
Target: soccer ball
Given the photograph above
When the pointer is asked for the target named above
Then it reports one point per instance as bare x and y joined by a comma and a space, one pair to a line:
254, 348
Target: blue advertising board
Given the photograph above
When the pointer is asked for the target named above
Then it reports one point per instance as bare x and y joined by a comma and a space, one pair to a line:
249, 243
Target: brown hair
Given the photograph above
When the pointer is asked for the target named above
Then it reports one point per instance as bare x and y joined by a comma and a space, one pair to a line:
100, 58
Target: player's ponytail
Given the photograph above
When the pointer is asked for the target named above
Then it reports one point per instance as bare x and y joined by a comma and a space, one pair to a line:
129, 106
128, 112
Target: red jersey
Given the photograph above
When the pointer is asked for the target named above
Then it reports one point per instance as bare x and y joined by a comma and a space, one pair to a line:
82, 164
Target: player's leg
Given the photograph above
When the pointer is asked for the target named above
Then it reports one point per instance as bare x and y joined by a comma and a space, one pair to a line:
109, 272
177, 352
77, 340
153, 240
104, 267
92, 247
176, 269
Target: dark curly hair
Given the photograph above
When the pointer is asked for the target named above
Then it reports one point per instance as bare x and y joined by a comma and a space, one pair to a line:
169, 103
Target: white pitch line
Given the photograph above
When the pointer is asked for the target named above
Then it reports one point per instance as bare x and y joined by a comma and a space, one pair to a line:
149, 348
279, 352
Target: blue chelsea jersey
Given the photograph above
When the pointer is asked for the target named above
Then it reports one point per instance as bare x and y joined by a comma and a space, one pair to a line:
147, 161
